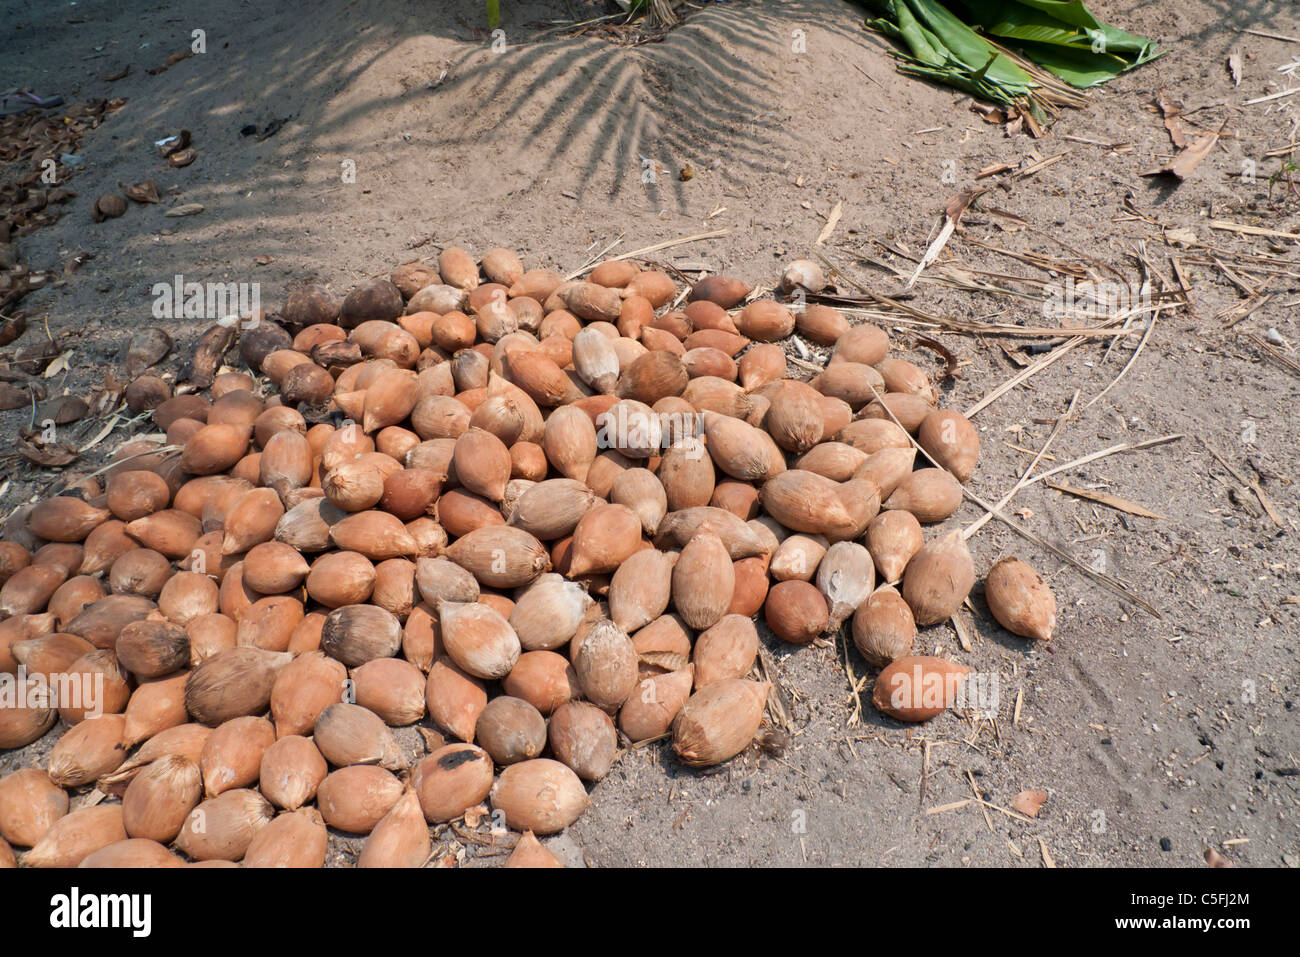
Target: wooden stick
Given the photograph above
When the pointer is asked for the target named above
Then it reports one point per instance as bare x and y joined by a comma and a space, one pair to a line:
1223, 224
1022, 375
1151, 325
1094, 456
975, 526
655, 248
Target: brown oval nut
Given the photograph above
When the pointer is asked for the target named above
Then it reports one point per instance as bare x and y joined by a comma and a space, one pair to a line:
918, 688
1020, 600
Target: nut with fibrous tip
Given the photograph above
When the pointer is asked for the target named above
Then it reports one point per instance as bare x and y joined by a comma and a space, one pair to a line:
872, 435
77, 835
292, 769
214, 448
355, 634
391, 688
482, 463
727, 650
640, 490
440, 579
160, 798
233, 683
389, 399
455, 699
687, 475
652, 376
151, 649
350, 734
502, 266
760, 365
765, 321
298, 839
49, 655
544, 679
232, 754
94, 684
155, 706
221, 828
823, 325
606, 664
340, 578
641, 588
500, 556
570, 443
654, 286
595, 360
886, 468
132, 495
883, 627
719, 721
951, 441
795, 419
354, 486
603, 539
893, 537
739, 449
552, 508
703, 580
593, 302
375, 534
905, 408
902, 376
548, 614
679, 527
806, 502
938, 579
1020, 600
252, 520
457, 268
583, 737
401, 839
722, 290
845, 576
652, 706
88, 751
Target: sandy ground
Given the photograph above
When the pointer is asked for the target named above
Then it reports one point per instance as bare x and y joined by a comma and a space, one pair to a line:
1155, 738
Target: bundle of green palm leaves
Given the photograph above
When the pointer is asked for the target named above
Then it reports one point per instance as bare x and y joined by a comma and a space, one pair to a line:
1060, 48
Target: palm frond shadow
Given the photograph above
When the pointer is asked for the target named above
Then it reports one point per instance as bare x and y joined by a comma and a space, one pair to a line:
693, 96
708, 92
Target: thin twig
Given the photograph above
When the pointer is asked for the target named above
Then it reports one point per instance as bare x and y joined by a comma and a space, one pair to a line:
1094, 456
1024, 478
655, 248
1151, 325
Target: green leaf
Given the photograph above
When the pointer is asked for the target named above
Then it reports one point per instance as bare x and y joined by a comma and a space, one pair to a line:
1062, 36
493, 13
1064, 24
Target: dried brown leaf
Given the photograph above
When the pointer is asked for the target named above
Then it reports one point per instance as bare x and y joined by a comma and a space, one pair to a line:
53, 455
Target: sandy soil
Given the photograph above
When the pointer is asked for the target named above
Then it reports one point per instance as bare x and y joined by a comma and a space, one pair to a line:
1178, 731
